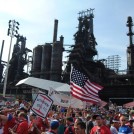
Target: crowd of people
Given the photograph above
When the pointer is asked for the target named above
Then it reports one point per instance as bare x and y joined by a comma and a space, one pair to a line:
19, 119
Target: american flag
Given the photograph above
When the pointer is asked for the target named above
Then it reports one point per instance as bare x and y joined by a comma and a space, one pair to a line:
82, 88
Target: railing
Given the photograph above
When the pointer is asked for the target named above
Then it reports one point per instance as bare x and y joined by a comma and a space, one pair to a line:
124, 72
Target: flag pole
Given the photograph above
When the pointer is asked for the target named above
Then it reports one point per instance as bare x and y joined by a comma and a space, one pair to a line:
70, 80
70, 99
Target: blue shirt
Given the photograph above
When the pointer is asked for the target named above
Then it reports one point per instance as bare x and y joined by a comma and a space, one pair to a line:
125, 130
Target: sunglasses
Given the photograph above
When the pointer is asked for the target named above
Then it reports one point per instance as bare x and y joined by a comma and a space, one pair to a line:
123, 120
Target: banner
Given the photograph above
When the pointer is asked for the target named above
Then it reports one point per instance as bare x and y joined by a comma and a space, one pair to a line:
63, 100
42, 105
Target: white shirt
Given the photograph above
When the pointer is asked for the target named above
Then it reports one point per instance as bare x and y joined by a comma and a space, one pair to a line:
113, 130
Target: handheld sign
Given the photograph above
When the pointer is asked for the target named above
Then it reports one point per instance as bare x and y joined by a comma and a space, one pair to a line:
42, 105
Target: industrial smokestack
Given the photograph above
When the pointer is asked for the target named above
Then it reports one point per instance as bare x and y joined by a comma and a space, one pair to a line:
130, 33
55, 30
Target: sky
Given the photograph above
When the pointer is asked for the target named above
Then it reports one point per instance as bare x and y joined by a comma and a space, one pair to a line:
36, 18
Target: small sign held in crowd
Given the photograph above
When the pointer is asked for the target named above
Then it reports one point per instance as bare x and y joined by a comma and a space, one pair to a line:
42, 105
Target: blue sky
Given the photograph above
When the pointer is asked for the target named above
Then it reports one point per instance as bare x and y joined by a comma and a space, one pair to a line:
36, 18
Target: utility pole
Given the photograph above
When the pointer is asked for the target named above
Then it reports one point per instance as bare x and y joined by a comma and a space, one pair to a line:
12, 31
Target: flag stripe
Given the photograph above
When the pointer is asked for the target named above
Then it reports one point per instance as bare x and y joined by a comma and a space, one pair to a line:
86, 90
88, 98
90, 91
92, 87
77, 87
96, 86
84, 99
84, 95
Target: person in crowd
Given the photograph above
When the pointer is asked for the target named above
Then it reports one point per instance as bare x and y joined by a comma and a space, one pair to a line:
124, 128
22, 126
61, 126
62, 110
105, 121
54, 124
114, 126
25, 110
77, 120
31, 128
81, 116
130, 123
110, 115
85, 113
22, 104
45, 124
41, 125
99, 127
70, 126
131, 115
89, 123
9, 121
1, 126
22, 109
56, 116
80, 128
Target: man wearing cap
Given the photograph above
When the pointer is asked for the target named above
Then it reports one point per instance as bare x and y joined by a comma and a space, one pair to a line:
114, 126
99, 128
54, 124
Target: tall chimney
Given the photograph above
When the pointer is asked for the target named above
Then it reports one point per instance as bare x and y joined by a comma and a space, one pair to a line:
55, 30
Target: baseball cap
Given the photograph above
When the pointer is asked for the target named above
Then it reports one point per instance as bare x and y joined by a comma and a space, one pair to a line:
115, 120
54, 124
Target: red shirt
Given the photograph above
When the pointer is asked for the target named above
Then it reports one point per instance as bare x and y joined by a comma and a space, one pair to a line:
103, 130
22, 127
11, 122
67, 130
31, 129
40, 124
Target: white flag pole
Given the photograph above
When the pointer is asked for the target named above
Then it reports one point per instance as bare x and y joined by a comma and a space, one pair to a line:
70, 80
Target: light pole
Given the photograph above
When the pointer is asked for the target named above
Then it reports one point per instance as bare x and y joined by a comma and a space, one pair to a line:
12, 31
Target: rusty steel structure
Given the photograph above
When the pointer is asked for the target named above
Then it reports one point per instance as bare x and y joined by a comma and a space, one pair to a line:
47, 59
82, 54
130, 48
18, 60
16, 70
84, 50
118, 85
